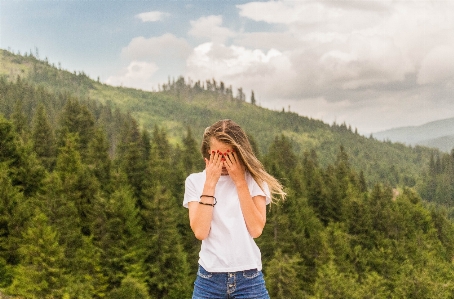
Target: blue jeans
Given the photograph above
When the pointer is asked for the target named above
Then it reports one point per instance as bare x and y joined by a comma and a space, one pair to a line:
246, 284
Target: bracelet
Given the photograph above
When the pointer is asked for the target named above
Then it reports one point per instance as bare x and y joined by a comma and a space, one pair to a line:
208, 204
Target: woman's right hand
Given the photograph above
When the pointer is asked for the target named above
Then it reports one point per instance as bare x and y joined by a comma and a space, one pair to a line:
213, 168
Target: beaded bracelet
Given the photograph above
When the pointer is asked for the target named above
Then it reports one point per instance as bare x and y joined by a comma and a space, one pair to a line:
208, 204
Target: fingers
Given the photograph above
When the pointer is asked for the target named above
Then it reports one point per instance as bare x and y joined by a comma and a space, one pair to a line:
230, 158
215, 162
216, 157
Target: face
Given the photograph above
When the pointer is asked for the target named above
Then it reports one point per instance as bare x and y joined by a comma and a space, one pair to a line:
215, 146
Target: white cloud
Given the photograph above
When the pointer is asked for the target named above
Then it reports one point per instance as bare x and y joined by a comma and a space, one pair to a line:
277, 12
138, 74
158, 48
152, 16
238, 66
437, 66
210, 27
363, 62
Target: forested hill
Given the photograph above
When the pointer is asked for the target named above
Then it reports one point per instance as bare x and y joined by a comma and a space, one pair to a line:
91, 201
179, 105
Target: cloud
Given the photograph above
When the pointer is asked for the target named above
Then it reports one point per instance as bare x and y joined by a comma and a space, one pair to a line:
158, 48
152, 16
210, 28
437, 66
363, 60
238, 66
275, 12
138, 74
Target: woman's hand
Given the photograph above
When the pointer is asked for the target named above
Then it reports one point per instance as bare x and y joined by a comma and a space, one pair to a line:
234, 167
213, 168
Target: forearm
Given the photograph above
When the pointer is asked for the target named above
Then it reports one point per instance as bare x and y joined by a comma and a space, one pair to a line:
200, 215
254, 215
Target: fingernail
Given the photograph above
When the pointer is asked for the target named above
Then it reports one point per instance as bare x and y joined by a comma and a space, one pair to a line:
228, 151
212, 152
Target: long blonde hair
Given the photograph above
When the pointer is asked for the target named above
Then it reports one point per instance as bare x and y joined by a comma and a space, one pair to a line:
228, 132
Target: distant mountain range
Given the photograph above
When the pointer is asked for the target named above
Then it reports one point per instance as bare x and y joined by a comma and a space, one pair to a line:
437, 134
180, 105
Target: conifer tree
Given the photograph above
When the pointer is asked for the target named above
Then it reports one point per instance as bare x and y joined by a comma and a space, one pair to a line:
332, 283
282, 276
130, 288
24, 169
132, 158
167, 266
13, 214
191, 156
76, 119
20, 121
62, 214
98, 159
43, 138
80, 185
39, 273
121, 239
86, 279
253, 101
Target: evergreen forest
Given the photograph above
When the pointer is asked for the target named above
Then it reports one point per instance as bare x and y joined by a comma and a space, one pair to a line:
92, 183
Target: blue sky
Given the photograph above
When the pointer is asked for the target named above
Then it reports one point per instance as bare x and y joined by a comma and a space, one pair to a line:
372, 64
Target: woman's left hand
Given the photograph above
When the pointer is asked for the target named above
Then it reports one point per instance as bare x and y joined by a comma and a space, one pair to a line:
234, 167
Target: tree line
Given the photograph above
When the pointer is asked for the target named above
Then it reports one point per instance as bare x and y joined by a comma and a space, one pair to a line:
91, 207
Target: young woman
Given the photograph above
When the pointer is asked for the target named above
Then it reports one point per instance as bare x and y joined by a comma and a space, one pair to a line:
227, 210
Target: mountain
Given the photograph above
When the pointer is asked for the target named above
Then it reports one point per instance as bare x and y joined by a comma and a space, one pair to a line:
180, 104
437, 134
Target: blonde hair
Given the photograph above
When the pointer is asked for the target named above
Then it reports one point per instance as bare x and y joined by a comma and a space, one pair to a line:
228, 132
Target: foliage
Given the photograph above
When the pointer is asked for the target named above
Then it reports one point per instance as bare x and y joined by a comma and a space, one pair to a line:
90, 198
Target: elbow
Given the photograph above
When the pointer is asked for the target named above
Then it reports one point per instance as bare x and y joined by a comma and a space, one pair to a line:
200, 234
255, 233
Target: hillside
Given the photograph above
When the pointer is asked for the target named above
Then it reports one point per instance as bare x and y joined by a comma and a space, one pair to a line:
437, 134
180, 105
91, 204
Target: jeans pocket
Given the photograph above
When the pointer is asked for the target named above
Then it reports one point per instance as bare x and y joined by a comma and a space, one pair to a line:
204, 273
252, 273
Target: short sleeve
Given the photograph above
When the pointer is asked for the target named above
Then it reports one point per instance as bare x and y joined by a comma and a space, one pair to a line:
255, 189
190, 192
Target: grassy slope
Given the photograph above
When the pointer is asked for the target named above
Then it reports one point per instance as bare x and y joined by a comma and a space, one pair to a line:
176, 110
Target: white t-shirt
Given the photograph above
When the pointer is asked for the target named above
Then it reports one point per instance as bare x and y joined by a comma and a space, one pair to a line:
229, 247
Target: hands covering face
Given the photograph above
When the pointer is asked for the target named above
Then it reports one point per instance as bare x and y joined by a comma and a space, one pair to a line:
226, 163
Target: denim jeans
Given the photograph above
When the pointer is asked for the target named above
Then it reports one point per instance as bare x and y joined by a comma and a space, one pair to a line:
246, 284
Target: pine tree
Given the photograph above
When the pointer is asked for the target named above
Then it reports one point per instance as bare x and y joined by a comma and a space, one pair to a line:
98, 159
167, 266
12, 216
20, 121
191, 156
132, 158
80, 184
282, 276
76, 119
332, 283
43, 139
24, 169
130, 288
121, 239
253, 102
40, 273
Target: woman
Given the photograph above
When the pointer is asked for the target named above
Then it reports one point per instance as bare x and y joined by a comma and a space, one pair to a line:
227, 210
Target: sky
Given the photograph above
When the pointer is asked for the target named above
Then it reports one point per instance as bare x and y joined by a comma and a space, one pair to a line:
374, 65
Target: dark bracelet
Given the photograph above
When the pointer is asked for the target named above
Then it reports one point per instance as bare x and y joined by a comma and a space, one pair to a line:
208, 204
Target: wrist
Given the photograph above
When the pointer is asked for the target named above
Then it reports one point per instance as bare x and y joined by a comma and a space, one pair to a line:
240, 183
